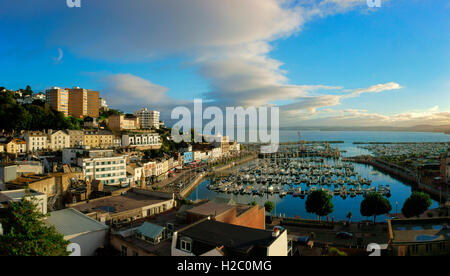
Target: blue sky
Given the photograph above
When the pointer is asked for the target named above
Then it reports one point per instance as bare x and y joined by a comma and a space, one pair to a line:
324, 62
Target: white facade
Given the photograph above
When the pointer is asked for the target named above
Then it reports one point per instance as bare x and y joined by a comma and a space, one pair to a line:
36, 141
148, 118
110, 170
200, 155
58, 140
141, 140
40, 199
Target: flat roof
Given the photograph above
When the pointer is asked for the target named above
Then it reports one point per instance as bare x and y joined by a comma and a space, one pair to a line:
420, 230
117, 204
210, 208
16, 194
217, 234
70, 222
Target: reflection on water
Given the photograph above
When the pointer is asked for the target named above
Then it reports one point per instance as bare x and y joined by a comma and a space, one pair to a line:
295, 206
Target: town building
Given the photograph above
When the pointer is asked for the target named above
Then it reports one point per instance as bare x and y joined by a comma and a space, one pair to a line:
445, 167
237, 214
76, 138
39, 199
83, 102
15, 146
130, 206
141, 140
58, 140
419, 237
86, 233
98, 164
148, 239
122, 122
98, 138
188, 157
36, 141
214, 238
58, 99
148, 118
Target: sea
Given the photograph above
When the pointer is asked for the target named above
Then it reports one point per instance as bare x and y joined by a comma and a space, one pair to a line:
290, 206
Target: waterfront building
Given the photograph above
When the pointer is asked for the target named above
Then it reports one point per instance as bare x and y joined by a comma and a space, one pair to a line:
148, 118
188, 157
419, 237
36, 141
121, 122
58, 99
237, 214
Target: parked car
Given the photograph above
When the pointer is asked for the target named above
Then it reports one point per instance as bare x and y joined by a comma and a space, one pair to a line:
344, 235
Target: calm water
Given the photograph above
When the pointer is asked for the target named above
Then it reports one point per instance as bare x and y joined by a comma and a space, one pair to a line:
295, 206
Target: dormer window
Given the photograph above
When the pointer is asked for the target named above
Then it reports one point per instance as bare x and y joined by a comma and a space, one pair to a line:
186, 244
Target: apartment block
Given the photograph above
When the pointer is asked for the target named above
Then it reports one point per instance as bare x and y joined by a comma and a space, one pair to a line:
58, 99
98, 164
83, 102
148, 118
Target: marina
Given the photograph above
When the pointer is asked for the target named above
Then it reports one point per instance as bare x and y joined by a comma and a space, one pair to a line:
286, 179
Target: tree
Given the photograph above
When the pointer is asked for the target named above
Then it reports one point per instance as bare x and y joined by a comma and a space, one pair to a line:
26, 234
269, 206
349, 217
319, 203
374, 204
416, 204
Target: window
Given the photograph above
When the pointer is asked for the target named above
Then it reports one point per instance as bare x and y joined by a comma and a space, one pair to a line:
186, 244
429, 247
415, 248
442, 246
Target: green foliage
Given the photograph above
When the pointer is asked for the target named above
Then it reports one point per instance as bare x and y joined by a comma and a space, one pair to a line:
253, 203
416, 204
332, 251
32, 116
269, 206
26, 234
319, 203
374, 205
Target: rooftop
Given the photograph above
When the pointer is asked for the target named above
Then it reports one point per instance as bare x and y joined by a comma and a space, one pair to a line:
210, 208
420, 230
232, 237
16, 194
70, 222
116, 204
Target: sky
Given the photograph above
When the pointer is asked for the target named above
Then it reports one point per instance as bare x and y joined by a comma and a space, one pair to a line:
322, 62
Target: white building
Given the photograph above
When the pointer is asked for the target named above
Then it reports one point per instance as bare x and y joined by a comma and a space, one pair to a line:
36, 141
148, 118
40, 199
58, 140
102, 165
151, 140
84, 233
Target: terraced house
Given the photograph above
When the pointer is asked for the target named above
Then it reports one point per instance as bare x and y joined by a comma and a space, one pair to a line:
36, 141
58, 140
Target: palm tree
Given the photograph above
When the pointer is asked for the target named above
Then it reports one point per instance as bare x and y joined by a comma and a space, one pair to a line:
349, 217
